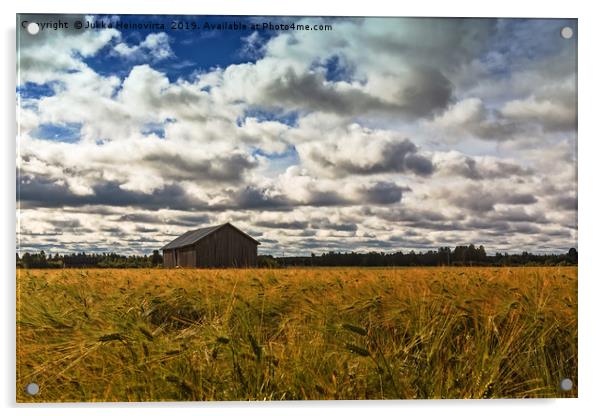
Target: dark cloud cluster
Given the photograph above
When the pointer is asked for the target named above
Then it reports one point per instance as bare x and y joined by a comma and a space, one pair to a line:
469, 168
567, 203
393, 156
283, 225
230, 167
479, 199
428, 90
383, 193
321, 224
43, 192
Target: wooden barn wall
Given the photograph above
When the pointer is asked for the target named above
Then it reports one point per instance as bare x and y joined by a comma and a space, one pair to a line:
186, 257
183, 257
226, 248
169, 258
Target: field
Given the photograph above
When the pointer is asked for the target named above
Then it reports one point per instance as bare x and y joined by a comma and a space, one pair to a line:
294, 334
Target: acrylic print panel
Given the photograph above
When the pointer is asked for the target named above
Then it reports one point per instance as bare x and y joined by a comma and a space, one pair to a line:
292, 208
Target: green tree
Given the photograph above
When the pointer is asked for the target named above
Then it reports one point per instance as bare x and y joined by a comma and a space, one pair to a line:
156, 258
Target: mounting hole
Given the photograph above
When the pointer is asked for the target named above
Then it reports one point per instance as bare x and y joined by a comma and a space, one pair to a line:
566, 32
566, 384
33, 28
32, 389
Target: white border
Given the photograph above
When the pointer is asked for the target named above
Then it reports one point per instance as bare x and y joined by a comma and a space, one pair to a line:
590, 278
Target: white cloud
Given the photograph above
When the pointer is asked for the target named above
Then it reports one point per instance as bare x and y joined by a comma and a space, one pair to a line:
155, 47
454, 163
549, 114
392, 69
49, 57
336, 154
470, 118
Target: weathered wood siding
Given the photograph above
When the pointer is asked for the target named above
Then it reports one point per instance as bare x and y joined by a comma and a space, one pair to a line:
182, 257
186, 257
226, 247
169, 259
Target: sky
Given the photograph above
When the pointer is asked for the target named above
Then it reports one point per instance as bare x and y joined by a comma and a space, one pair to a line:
381, 134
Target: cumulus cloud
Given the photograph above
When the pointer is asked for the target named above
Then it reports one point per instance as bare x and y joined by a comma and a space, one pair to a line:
567, 203
383, 193
478, 168
479, 199
50, 55
470, 118
41, 192
550, 115
519, 214
220, 168
144, 164
426, 90
252, 197
336, 154
390, 70
155, 47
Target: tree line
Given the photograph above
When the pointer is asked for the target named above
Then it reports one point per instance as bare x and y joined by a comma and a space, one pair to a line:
82, 260
460, 256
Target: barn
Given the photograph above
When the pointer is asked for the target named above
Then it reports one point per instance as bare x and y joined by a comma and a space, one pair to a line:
218, 246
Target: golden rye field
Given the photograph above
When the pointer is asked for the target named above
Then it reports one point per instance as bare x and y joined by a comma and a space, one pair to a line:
288, 334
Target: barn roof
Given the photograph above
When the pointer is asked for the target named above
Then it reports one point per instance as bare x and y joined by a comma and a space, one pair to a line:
193, 236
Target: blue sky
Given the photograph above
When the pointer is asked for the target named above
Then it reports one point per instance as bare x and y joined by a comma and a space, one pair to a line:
194, 50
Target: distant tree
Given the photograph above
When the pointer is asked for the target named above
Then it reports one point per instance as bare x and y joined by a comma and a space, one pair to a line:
459, 255
156, 258
444, 256
481, 254
572, 255
267, 262
471, 254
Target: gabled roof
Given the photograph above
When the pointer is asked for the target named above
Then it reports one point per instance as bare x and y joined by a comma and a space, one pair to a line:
193, 236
